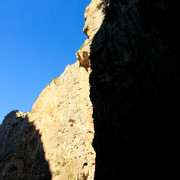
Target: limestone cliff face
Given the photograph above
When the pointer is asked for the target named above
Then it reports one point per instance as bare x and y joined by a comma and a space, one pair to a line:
132, 53
59, 129
54, 140
63, 115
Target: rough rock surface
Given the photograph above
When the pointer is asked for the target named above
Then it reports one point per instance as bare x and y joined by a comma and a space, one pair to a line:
54, 140
135, 85
21, 150
56, 135
94, 18
63, 115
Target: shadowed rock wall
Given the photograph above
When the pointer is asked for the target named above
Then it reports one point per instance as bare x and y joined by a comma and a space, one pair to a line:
135, 85
22, 154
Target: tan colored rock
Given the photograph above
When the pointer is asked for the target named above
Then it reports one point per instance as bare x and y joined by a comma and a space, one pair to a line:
54, 140
63, 115
59, 129
94, 18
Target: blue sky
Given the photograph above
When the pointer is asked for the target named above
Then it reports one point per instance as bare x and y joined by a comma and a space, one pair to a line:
38, 39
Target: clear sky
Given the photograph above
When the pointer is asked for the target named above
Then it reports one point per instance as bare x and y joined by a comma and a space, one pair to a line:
38, 39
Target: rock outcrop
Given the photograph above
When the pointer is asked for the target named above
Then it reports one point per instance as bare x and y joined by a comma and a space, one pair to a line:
135, 85
22, 154
57, 133
63, 115
94, 18
54, 140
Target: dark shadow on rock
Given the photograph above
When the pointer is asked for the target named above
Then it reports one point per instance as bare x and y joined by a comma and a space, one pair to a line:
135, 91
22, 156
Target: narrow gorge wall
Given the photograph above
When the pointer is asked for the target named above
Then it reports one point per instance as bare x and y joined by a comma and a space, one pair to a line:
135, 85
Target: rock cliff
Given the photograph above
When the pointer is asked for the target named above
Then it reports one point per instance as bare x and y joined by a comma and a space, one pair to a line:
132, 58
54, 140
135, 85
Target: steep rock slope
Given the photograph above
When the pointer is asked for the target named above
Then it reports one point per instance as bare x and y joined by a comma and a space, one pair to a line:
54, 140
63, 115
57, 134
135, 85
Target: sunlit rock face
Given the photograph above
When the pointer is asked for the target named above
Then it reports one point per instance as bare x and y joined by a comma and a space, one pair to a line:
94, 18
63, 115
135, 85
61, 134
54, 140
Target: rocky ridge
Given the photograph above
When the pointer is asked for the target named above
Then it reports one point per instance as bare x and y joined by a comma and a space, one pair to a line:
54, 140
